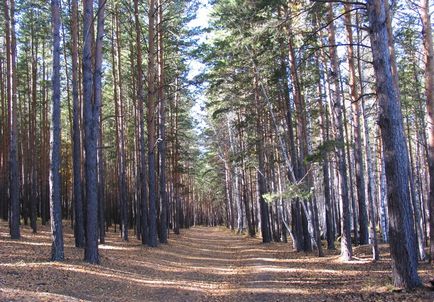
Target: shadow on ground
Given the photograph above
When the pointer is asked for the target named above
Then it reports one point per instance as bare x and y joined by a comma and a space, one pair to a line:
201, 264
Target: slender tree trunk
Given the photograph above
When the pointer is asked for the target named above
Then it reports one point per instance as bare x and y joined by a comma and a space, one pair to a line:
229, 195
347, 152
429, 94
45, 163
358, 156
101, 182
242, 185
76, 139
384, 219
369, 165
301, 168
325, 169
164, 226
91, 139
346, 249
32, 135
14, 178
415, 200
177, 181
5, 146
120, 132
55, 186
420, 157
141, 100
152, 93
265, 227
98, 73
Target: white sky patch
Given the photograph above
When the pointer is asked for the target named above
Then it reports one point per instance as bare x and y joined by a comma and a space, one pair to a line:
202, 15
201, 21
196, 67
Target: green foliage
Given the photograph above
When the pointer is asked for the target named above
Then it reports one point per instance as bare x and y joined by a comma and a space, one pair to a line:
322, 151
292, 191
220, 111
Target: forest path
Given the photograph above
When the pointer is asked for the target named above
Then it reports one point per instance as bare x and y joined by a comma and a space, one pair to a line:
201, 264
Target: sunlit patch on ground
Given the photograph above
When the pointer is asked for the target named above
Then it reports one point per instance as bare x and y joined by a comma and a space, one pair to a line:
202, 264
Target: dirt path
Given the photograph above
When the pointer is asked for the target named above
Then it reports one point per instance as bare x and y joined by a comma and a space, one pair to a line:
202, 264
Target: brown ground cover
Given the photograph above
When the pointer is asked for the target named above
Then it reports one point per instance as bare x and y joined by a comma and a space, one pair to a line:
201, 264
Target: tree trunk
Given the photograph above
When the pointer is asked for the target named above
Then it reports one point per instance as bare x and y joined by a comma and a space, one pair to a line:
429, 94
152, 93
55, 186
415, 200
384, 217
346, 249
90, 142
265, 227
368, 153
14, 178
98, 73
402, 237
358, 157
164, 226
76, 139
45, 146
32, 135
120, 133
4, 148
176, 180
141, 100
330, 236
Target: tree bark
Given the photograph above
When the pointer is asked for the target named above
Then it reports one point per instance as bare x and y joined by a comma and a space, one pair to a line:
300, 223
14, 178
402, 237
5, 147
164, 226
330, 234
90, 142
120, 133
415, 200
358, 156
98, 73
57, 253
152, 93
32, 134
141, 100
429, 94
346, 249
176, 178
264, 213
76, 139
368, 153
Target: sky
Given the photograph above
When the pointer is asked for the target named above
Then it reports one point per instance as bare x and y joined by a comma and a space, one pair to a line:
196, 67
201, 20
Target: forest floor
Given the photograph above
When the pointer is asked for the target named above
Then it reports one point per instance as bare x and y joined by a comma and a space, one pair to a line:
201, 264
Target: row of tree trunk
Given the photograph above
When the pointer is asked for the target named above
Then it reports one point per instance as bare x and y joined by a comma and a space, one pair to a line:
72, 181
364, 181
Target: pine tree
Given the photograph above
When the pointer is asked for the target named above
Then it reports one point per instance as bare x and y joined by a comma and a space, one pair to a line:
55, 186
402, 237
